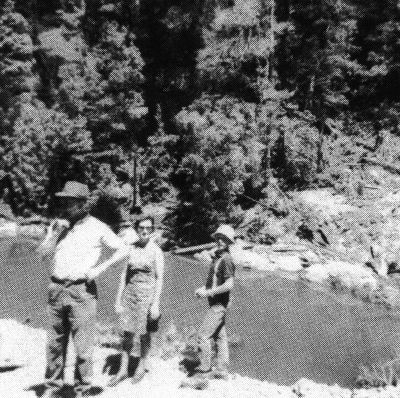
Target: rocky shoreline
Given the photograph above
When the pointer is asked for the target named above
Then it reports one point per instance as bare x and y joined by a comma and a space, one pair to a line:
22, 364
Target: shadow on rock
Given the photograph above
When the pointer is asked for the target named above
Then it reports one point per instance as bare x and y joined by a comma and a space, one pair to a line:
38, 389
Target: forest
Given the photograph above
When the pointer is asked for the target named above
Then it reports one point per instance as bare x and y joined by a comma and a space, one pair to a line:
201, 106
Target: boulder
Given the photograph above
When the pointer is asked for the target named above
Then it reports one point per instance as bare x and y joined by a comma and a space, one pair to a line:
8, 229
316, 273
32, 231
291, 263
204, 257
249, 259
351, 275
309, 257
326, 201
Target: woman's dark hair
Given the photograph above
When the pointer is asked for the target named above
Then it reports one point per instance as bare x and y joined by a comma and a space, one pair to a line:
144, 218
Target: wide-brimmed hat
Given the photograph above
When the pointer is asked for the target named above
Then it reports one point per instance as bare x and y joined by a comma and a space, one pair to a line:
225, 230
74, 189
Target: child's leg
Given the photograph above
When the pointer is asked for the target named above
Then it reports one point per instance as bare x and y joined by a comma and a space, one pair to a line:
222, 350
212, 323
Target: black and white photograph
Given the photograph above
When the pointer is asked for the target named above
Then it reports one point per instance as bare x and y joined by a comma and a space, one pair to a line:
200, 199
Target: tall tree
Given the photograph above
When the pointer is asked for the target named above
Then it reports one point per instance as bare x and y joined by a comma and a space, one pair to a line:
319, 51
97, 75
17, 78
168, 36
376, 92
229, 132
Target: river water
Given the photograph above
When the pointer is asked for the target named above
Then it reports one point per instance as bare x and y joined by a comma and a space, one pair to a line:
288, 330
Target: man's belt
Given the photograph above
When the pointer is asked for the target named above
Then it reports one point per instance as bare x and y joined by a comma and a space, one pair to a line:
139, 271
68, 282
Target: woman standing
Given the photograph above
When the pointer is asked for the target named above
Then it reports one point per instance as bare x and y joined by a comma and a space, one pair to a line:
138, 298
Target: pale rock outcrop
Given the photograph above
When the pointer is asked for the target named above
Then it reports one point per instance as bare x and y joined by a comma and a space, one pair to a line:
350, 275
325, 201
264, 259
8, 229
249, 259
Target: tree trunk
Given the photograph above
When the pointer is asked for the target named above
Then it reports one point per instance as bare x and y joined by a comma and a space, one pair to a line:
136, 196
267, 154
271, 62
321, 131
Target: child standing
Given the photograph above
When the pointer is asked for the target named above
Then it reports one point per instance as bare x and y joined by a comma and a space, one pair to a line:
217, 290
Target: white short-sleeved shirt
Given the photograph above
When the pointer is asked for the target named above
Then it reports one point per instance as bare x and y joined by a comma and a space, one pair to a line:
80, 250
129, 236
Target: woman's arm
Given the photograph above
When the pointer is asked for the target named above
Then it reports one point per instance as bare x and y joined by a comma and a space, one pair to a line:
159, 273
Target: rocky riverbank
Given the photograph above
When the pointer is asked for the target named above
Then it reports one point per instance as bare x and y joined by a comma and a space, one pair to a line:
22, 364
349, 244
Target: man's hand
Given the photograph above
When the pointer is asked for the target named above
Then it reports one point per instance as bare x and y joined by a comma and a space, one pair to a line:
202, 292
59, 225
91, 275
54, 231
154, 311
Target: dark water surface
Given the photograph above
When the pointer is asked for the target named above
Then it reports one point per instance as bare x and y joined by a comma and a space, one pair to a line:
288, 330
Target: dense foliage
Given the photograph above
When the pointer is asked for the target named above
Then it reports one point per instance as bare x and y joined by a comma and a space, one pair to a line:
205, 104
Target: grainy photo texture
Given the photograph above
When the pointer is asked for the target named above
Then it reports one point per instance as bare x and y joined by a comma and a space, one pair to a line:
199, 198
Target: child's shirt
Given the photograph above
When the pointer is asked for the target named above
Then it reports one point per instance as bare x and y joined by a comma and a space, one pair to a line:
221, 269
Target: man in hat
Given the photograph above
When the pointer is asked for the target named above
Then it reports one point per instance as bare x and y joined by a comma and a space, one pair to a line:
76, 243
217, 291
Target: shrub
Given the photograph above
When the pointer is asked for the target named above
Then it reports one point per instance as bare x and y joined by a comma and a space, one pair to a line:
379, 375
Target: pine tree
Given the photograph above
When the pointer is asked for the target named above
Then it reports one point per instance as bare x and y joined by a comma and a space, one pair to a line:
17, 78
319, 50
168, 36
375, 97
104, 84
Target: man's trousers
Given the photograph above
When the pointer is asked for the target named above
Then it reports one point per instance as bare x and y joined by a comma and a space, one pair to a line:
72, 309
